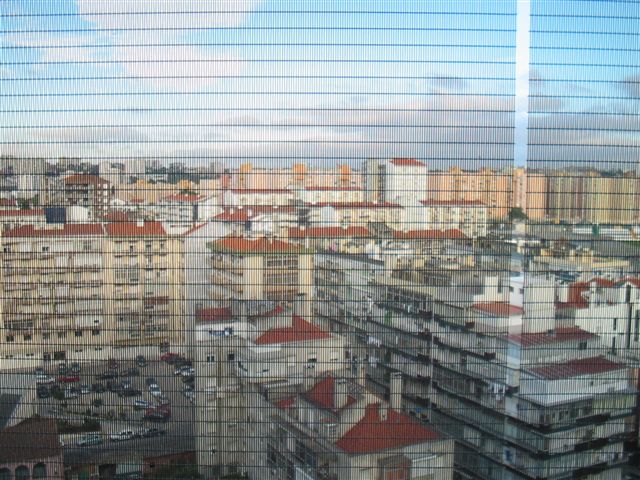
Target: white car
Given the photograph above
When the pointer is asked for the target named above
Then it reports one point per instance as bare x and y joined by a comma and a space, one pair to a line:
122, 435
188, 372
155, 390
44, 379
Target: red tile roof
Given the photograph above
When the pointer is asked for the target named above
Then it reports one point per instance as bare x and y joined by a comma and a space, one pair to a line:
451, 203
300, 331
429, 234
68, 229
322, 394
373, 434
83, 179
576, 368
244, 191
633, 281
183, 197
8, 202
407, 162
131, 229
256, 246
575, 296
329, 232
339, 205
285, 403
569, 334
32, 212
213, 315
31, 439
332, 189
603, 282
499, 309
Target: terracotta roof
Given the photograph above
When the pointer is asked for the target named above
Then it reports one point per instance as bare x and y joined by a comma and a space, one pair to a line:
603, 282
213, 315
149, 301
285, 403
354, 204
257, 246
633, 281
68, 229
131, 229
117, 216
407, 162
451, 203
21, 213
322, 394
244, 191
499, 309
373, 434
300, 331
576, 368
182, 197
429, 234
31, 439
329, 232
83, 179
332, 189
575, 296
8, 202
559, 335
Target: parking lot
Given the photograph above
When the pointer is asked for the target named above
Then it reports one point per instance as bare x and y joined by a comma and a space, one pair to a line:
119, 395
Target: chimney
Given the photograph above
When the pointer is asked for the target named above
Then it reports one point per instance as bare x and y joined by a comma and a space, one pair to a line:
362, 373
308, 377
140, 223
302, 306
340, 392
395, 391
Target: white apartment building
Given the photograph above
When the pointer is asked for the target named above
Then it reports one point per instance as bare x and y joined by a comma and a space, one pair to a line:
258, 196
404, 179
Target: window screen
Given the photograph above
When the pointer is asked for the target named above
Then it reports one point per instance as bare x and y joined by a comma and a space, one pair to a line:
319, 240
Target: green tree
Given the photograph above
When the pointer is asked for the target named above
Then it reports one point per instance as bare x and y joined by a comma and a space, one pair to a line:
517, 214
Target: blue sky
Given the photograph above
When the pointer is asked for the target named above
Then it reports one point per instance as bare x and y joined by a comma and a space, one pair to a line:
249, 80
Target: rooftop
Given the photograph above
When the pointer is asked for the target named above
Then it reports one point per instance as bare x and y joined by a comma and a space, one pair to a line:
22, 213
184, 197
374, 434
300, 331
559, 335
354, 204
266, 191
67, 229
332, 189
322, 394
238, 214
498, 309
84, 179
254, 246
576, 368
407, 162
135, 229
451, 203
429, 234
31, 439
328, 232
213, 315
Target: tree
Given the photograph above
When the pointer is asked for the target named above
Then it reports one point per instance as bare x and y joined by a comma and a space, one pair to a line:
517, 214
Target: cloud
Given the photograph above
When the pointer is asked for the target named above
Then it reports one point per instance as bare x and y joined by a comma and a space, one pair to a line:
631, 85
142, 28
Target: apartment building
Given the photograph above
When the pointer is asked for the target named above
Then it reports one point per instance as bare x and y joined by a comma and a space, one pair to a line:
331, 195
266, 268
355, 214
14, 218
261, 220
258, 196
78, 291
469, 216
404, 178
89, 191
237, 348
186, 208
343, 239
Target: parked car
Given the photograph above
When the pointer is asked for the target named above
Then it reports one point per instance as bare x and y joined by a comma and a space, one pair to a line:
171, 357
68, 378
129, 392
130, 372
163, 400
122, 435
158, 414
89, 440
85, 389
187, 372
150, 381
141, 361
155, 390
62, 368
45, 380
38, 371
43, 392
107, 376
98, 388
70, 394
75, 368
153, 432
126, 384
112, 364
141, 405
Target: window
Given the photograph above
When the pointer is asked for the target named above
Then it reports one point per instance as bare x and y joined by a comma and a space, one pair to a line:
9, 338
78, 333
211, 358
95, 332
27, 337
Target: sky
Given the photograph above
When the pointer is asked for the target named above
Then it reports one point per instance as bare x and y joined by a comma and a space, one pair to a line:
322, 81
